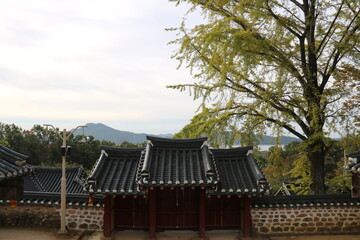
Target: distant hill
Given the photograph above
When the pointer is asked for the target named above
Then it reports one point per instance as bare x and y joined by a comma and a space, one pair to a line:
102, 132
284, 140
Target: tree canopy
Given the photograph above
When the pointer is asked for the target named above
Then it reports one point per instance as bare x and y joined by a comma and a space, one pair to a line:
42, 146
269, 64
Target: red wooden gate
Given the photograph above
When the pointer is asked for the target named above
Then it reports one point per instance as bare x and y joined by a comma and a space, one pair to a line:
131, 213
177, 209
223, 213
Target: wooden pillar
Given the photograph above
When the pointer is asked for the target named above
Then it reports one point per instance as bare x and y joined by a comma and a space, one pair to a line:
107, 227
202, 213
246, 227
355, 191
152, 213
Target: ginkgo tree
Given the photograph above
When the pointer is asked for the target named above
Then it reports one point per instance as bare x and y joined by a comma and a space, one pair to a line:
269, 64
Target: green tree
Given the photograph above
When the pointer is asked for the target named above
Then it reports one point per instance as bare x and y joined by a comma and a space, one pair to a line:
269, 64
127, 144
348, 79
43, 146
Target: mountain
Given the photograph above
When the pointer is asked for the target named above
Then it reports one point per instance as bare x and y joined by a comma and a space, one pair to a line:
103, 132
283, 141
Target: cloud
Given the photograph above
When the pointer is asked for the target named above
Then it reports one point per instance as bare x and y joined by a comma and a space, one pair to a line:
92, 61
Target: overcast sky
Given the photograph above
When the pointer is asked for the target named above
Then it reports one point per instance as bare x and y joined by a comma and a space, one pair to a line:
72, 62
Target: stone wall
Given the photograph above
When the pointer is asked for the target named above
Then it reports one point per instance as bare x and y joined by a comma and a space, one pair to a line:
78, 218
29, 215
81, 218
306, 220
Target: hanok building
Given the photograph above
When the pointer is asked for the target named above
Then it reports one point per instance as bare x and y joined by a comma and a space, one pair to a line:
13, 168
354, 168
177, 185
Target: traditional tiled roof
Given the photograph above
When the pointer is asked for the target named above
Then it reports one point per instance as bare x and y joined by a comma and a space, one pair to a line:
176, 162
238, 172
43, 187
305, 201
354, 162
115, 171
12, 164
48, 180
53, 199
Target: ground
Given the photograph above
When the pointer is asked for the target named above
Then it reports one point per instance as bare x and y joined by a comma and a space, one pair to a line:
51, 234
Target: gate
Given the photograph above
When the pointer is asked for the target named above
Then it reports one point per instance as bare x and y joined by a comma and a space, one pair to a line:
223, 213
131, 213
177, 209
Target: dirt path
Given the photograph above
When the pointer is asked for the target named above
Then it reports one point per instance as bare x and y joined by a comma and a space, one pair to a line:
325, 237
33, 234
51, 234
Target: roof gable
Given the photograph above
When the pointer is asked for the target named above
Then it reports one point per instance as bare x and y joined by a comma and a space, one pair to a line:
238, 172
176, 162
115, 171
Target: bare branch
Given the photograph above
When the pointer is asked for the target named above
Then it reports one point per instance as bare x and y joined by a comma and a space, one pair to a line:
331, 27
298, 4
282, 124
278, 18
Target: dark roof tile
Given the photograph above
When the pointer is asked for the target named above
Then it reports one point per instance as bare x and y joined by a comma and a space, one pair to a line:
12, 164
114, 172
43, 187
305, 201
176, 162
238, 172
48, 180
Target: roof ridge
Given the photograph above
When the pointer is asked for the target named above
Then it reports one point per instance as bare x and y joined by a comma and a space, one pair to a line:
158, 142
176, 140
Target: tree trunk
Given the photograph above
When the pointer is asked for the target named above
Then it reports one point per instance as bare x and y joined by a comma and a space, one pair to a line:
316, 154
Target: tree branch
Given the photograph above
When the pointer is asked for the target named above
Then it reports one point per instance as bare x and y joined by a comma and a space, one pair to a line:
282, 124
331, 26
277, 18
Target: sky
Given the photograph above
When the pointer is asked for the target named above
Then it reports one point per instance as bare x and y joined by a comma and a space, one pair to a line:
72, 62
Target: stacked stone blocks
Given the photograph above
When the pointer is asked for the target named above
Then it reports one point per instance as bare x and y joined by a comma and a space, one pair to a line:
78, 218
311, 220
81, 218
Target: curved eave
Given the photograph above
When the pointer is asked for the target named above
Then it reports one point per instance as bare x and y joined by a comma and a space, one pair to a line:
13, 155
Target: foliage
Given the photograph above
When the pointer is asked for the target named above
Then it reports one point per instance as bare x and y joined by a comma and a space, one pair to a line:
263, 64
127, 144
43, 146
289, 163
339, 184
301, 173
348, 78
